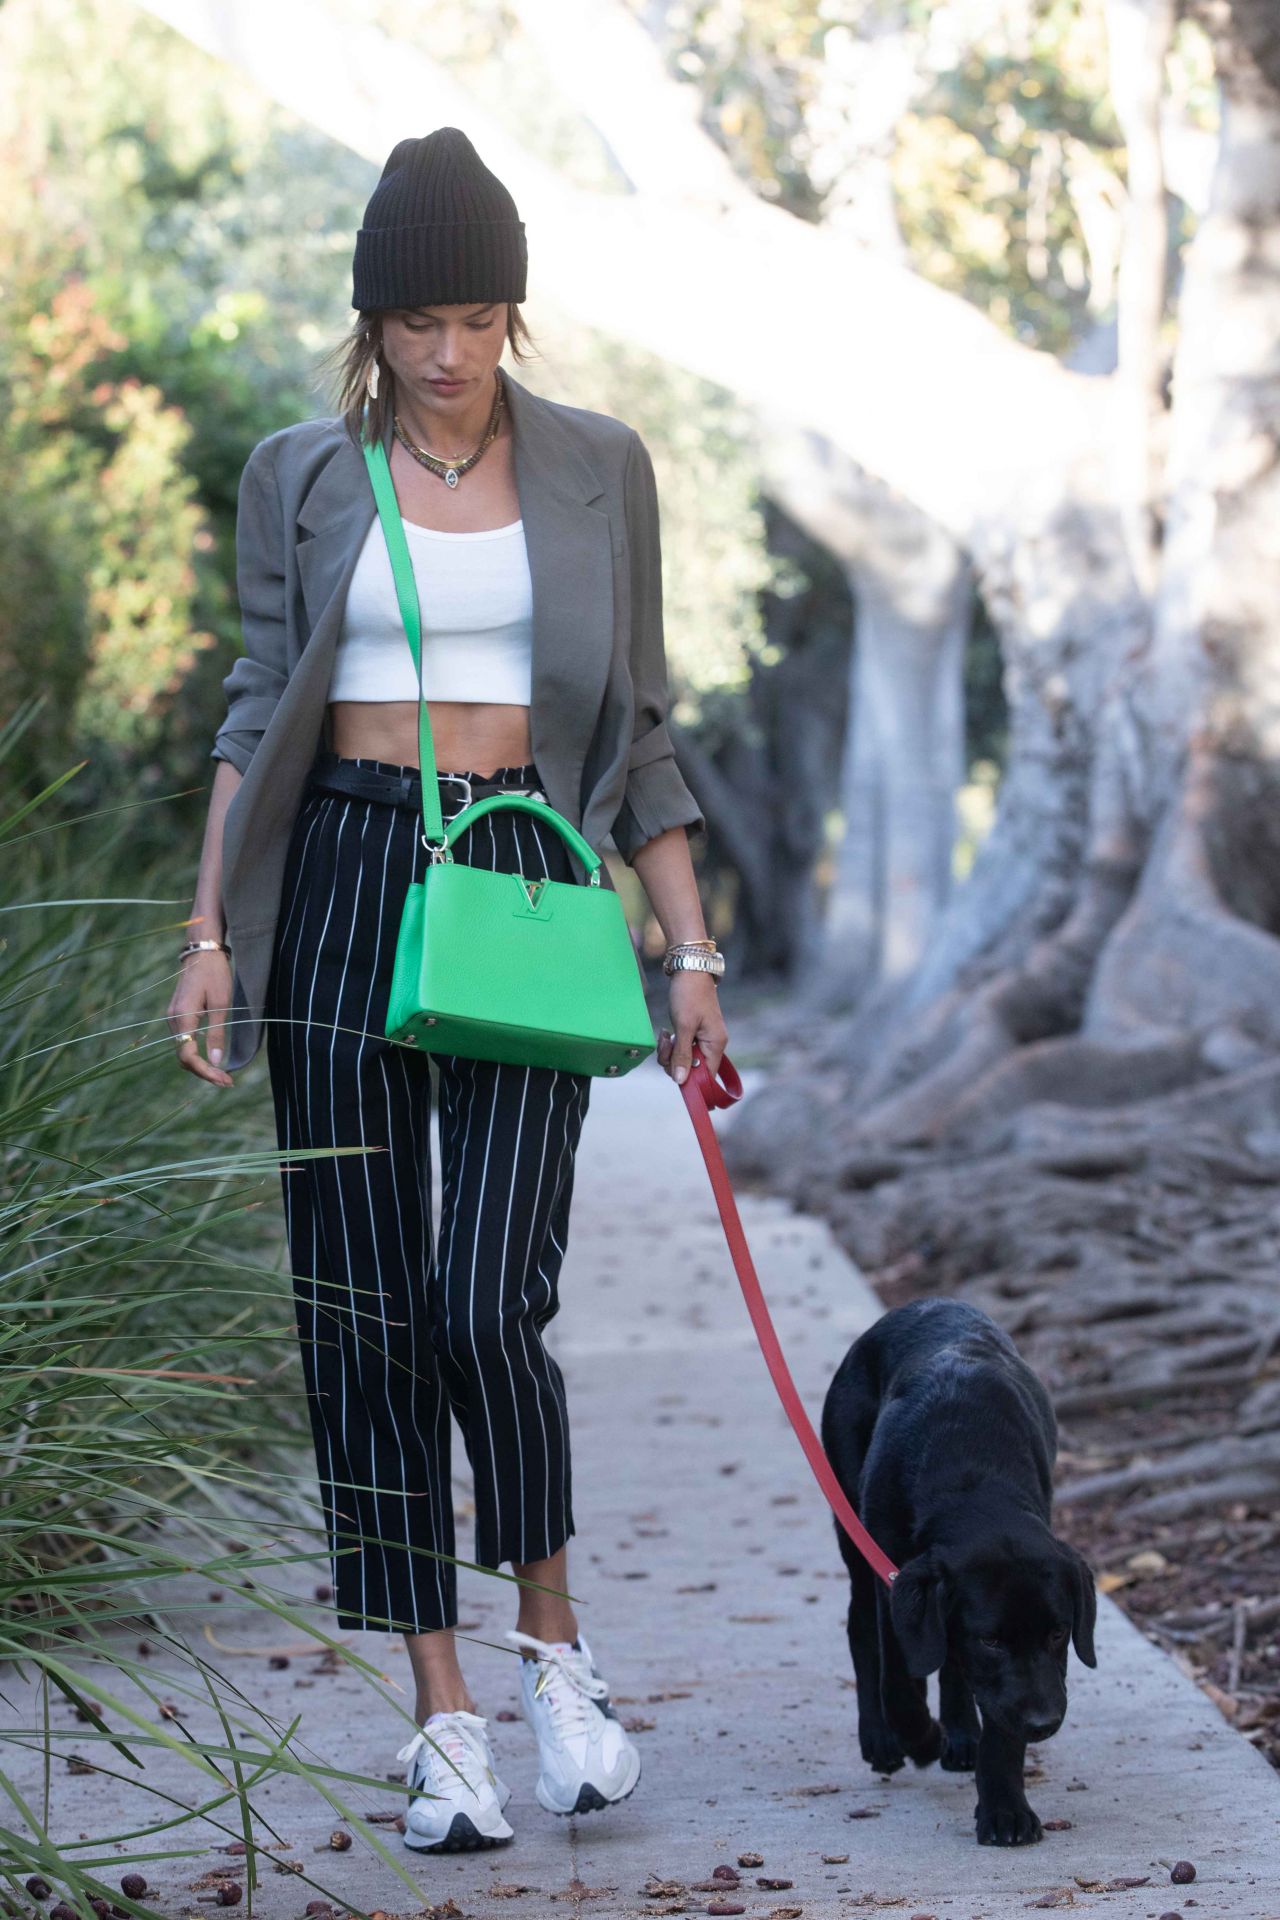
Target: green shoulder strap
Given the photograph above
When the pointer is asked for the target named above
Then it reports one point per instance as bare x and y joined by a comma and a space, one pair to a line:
407, 594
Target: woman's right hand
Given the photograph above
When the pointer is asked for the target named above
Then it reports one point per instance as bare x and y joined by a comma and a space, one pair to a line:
204, 987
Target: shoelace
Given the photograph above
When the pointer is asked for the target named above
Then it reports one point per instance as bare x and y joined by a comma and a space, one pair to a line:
450, 1740
569, 1708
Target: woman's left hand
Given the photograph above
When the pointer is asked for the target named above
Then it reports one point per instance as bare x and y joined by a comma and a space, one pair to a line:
696, 1016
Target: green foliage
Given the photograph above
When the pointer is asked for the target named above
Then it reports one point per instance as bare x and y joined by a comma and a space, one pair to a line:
1003, 157
1004, 164
98, 593
162, 290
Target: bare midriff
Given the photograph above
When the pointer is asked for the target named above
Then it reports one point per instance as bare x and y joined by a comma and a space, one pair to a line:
467, 736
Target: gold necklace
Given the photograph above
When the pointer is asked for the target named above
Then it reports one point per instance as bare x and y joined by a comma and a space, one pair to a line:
451, 471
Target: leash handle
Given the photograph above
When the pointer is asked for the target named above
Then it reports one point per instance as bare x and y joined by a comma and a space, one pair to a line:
702, 1091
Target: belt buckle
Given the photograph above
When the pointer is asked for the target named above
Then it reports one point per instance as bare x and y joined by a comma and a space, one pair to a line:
458, 780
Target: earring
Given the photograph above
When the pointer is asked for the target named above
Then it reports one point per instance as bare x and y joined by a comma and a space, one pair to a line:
371, 379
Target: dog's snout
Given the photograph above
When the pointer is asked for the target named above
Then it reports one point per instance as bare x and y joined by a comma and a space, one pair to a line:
1044, 1730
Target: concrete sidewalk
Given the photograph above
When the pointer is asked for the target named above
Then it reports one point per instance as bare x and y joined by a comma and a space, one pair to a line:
708, 1579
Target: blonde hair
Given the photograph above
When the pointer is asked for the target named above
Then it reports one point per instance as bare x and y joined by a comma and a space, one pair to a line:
346, 368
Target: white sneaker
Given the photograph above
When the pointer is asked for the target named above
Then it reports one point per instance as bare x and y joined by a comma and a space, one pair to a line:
466, 1798
588, 1758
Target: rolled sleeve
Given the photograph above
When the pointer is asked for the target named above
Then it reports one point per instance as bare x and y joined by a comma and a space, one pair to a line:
258, 678
655, 796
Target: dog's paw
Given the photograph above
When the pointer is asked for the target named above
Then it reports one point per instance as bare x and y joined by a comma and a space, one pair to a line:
959, 1750
1006, 1823
925, 1749
881, 1751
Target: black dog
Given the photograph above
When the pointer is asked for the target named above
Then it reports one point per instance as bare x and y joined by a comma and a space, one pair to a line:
943, 1440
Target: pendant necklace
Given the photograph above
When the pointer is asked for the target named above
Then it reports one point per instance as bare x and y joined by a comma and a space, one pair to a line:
451, 471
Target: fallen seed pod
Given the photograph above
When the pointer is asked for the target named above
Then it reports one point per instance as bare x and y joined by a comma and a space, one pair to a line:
773, 1886
750, 1859
38, 1889
724, 1906
725, 1873
1183, 1873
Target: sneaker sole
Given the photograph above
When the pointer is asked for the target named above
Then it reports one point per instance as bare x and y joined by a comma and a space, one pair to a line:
463, 1837
590, 1799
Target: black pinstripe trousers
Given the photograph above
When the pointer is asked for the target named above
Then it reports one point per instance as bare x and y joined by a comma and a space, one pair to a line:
396, 1331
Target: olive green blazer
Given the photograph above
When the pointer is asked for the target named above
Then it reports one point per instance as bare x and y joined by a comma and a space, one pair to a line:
599, 679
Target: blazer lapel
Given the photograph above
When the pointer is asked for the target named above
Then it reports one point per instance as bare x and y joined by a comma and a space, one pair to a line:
568, 539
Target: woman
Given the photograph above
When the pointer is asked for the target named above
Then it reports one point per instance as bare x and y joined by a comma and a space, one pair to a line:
533, 531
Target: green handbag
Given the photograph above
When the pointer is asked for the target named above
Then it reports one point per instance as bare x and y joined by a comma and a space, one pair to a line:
498, 966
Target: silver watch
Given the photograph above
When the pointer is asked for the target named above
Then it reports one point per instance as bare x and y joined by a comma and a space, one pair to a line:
694, 962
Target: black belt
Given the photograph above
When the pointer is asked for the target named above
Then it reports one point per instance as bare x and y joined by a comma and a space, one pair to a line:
405, 789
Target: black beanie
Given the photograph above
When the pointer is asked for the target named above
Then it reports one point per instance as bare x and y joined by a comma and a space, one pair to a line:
439, 229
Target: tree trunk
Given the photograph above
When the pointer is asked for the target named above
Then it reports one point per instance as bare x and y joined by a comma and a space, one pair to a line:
1140, 32
1129, 895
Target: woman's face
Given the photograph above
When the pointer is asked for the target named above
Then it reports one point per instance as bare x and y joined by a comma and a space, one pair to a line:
425, 347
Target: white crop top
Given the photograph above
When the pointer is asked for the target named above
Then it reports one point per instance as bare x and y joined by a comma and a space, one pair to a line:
475, 597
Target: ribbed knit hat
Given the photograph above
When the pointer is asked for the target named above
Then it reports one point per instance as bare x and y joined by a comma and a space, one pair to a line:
439, 229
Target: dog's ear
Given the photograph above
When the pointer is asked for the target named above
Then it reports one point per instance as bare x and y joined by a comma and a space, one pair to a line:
918, 1609
1084, 1604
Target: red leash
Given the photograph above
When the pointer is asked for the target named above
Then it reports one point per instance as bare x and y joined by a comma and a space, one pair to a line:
702, 1091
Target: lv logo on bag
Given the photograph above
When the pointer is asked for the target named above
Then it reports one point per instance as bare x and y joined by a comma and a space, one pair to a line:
531, 892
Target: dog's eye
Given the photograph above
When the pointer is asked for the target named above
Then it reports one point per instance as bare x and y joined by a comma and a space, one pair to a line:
1059, 1636
991, 1640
